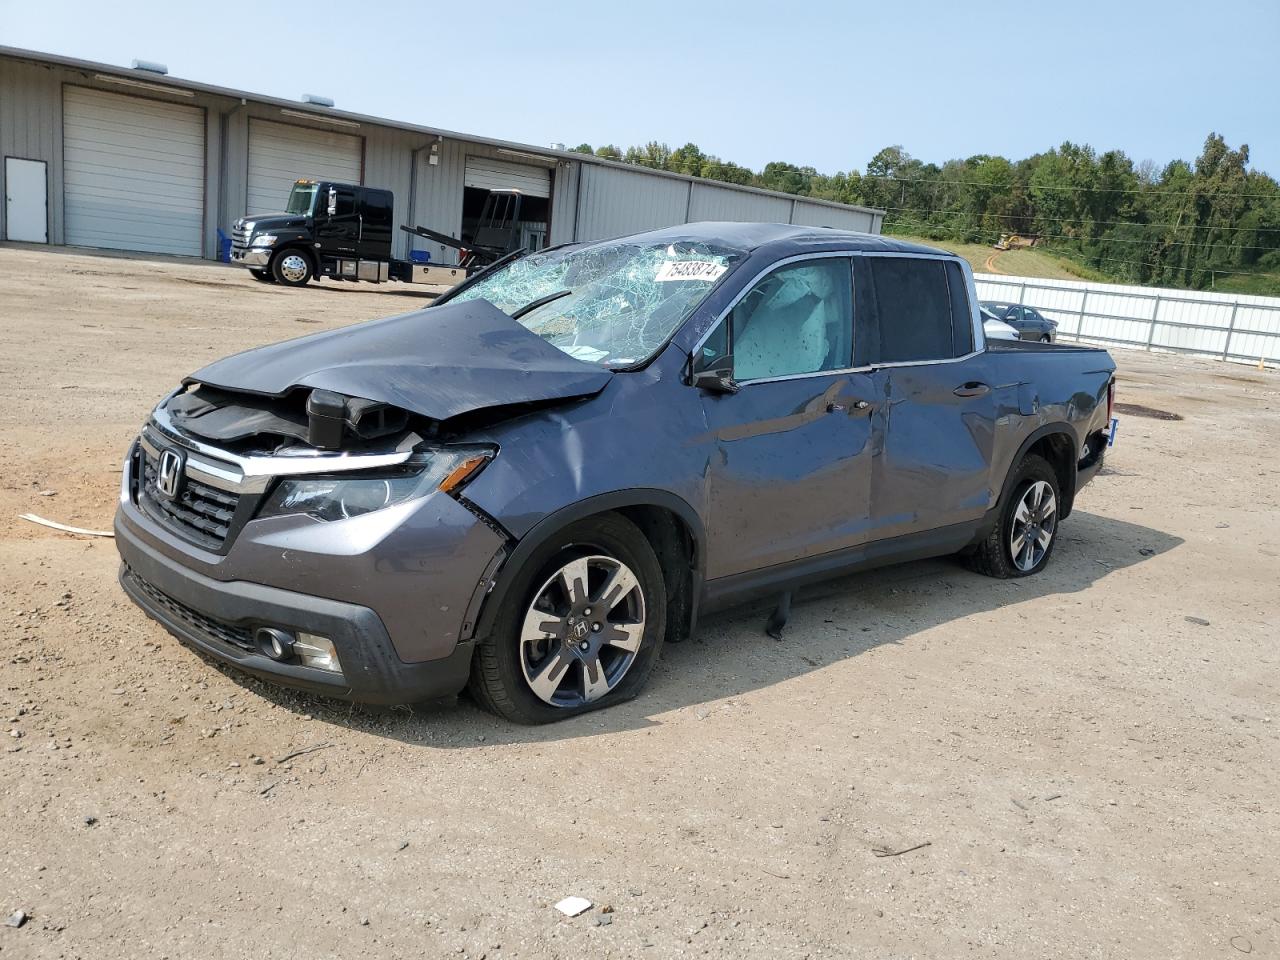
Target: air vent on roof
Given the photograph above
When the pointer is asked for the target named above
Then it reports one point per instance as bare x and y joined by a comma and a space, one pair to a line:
557, 146
318, 101
151, 67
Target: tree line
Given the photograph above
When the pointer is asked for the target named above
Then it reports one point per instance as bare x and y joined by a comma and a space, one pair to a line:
1181, 225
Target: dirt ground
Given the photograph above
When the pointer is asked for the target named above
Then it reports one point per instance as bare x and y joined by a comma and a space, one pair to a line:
1091, 756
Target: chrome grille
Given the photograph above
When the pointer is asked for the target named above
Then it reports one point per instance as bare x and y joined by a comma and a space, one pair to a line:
197, 621
200, 512
239, 237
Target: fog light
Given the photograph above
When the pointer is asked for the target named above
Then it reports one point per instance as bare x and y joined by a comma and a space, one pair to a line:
316, 651
273, 643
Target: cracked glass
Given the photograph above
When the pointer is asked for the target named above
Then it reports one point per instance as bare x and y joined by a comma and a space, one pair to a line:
612, 303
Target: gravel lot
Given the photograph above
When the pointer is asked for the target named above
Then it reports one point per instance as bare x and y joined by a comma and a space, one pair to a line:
1093, 755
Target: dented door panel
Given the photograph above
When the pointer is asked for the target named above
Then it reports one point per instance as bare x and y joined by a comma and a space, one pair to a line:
790, 474
936, 469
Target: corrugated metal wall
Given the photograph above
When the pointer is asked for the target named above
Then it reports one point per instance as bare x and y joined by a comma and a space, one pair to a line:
842, 218
31, 128
588, 200
722, 203
613, 202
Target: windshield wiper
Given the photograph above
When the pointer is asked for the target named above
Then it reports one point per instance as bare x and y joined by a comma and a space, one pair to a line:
535, 304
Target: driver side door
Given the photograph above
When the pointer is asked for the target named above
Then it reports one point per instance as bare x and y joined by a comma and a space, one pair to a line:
791, 472
337, 233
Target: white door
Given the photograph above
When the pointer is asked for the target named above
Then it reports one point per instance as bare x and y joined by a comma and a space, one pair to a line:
280, 153
133, 172
489, 174
26, 200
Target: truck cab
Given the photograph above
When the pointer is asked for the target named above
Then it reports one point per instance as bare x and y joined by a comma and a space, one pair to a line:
337, 230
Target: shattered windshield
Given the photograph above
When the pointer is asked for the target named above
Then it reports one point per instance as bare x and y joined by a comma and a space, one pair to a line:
610, 303
301, 197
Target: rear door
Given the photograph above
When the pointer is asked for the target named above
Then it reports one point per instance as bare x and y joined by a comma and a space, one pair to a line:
792, 470
935, 469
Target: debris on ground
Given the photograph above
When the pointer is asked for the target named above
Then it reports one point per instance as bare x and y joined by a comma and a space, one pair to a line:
303, 752
574, 906
886, 852
16, 919
1198, 621
81, 531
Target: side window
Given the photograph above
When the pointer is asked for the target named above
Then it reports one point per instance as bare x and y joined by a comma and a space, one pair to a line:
961, 311
377, 208
346, 204
922, 309
798, 319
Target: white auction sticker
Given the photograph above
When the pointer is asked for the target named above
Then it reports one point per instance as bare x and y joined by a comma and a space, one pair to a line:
704, 270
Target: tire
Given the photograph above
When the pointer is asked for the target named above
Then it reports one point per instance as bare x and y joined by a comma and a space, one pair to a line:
995, 556
292, 268
1045, 338
262, 276
552, 653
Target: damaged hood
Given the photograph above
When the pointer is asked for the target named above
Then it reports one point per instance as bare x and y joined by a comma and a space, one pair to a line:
439, 362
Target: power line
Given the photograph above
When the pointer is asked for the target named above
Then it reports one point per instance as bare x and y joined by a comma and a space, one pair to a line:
1152, 242
1116, 223
1153, 189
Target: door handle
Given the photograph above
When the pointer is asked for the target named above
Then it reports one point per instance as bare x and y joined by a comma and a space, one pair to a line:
972, 389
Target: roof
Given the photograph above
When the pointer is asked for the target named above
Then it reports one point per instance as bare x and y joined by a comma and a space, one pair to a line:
301, 108
752, 236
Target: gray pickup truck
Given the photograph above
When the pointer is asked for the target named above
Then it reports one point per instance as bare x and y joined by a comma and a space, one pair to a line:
531, 486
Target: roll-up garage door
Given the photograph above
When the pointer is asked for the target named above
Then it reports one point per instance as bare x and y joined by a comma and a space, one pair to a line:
280, 153
134, 172
489, 174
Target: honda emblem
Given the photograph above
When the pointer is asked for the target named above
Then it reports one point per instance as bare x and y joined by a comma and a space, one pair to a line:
169, 474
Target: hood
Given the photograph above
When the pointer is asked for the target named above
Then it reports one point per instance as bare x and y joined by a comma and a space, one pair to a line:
439, 362
276, 221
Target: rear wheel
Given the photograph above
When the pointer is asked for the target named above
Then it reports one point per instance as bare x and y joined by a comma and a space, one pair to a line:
582, 627
262, 276
1023, 540
292, 268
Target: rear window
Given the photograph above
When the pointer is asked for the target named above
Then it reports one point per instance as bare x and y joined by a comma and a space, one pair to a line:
922, 309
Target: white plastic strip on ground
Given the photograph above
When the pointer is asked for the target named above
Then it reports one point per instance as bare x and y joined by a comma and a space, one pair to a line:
1238, 327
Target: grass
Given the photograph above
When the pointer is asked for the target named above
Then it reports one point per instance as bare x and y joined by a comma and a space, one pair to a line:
1035, 262
1020, 262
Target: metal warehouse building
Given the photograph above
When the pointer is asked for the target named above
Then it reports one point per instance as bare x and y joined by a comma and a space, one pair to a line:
132, 159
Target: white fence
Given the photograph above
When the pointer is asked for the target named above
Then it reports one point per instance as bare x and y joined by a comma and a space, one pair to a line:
1236, 327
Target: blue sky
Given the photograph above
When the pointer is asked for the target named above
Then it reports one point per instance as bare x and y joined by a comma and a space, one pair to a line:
820, 83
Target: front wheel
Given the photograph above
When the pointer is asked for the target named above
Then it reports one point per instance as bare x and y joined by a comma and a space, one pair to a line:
581, 629
1024, 538
1046, 339
292, 268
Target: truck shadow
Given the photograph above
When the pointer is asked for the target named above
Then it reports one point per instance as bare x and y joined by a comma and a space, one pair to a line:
732, 655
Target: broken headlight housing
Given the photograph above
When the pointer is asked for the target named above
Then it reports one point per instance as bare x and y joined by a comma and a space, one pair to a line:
343, 496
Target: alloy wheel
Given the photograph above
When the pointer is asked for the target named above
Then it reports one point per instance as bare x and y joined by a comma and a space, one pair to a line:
1035, 520
582, 631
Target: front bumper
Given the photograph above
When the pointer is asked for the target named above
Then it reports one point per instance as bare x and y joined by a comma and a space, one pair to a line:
256, 258
398, 591
219, 618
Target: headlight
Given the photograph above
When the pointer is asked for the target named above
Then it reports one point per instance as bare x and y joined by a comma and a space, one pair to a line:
344, 497
263, 240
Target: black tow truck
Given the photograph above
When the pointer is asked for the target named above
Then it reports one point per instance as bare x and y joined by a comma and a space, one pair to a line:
343, 231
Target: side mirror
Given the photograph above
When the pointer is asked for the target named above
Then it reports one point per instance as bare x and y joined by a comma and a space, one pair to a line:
718, 379
333, 201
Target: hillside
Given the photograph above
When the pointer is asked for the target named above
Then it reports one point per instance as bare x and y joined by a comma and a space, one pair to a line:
1022, 262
